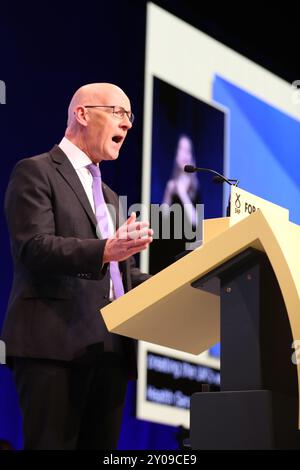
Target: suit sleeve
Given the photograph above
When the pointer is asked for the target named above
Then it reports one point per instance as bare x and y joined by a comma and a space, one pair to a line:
137, 277
31, 223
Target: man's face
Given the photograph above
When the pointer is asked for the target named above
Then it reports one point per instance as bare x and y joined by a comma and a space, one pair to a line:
105, 133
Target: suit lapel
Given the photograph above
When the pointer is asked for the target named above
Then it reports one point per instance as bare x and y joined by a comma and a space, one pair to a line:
112, 204
112, 199
65, 168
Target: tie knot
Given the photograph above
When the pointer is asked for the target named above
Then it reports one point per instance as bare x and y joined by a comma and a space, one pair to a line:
94, 170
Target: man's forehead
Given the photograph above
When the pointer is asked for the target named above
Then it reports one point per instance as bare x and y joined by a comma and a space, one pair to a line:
113, 97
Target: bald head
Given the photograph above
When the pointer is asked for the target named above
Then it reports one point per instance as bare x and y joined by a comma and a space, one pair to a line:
92, 94
93, 126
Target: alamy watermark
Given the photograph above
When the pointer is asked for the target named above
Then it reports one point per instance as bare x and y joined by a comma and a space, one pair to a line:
2, 353
178, 221
296, 353
295, 92
2, 92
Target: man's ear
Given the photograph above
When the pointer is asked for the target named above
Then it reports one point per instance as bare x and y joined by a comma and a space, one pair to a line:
81, 115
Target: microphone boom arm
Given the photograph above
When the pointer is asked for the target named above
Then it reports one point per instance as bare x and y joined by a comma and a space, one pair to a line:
193, 169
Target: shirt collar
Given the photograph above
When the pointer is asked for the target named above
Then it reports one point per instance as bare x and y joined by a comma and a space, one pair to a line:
77, 157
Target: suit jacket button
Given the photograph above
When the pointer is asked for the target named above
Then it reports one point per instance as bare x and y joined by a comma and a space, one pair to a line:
105, 296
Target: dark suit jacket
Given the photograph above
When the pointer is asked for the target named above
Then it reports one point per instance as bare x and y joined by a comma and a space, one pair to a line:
59, 284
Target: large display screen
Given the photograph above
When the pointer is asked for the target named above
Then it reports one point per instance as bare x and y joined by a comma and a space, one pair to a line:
208, 106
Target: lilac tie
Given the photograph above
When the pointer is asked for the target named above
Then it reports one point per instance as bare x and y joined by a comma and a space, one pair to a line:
102, 219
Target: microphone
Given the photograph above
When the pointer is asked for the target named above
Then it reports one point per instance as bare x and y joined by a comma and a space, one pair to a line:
218, 178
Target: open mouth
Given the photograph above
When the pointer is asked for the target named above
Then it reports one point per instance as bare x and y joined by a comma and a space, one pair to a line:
117, 139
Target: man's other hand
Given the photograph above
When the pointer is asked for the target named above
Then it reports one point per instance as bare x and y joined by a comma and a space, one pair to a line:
130, 238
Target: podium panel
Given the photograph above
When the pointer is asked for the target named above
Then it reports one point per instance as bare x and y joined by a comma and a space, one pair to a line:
184, 306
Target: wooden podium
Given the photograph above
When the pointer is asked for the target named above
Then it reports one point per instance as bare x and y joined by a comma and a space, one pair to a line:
241, 287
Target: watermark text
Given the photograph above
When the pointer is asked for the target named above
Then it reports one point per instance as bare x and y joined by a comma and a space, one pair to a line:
2, 353
2, 92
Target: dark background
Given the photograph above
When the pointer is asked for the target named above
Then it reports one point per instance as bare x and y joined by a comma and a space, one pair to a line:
49, 49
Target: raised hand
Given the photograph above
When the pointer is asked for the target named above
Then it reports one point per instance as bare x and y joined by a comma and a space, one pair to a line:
130, 238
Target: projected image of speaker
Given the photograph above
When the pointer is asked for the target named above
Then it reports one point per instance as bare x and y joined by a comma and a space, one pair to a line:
185, 131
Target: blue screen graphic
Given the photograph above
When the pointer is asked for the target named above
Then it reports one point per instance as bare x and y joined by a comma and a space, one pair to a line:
264, 147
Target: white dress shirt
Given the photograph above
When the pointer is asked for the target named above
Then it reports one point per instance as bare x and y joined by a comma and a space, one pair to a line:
80, 161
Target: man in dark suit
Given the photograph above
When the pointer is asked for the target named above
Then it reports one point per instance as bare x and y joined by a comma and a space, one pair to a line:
69, 261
